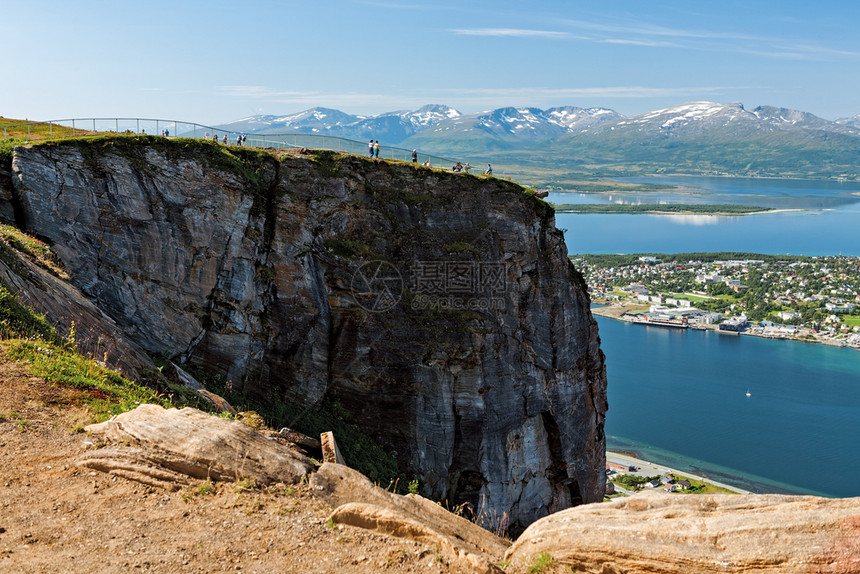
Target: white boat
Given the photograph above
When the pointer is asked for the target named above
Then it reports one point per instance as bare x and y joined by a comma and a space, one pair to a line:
748, 392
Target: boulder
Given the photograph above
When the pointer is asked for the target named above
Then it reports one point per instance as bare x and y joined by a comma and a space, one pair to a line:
670, 533
165, 447
361, 504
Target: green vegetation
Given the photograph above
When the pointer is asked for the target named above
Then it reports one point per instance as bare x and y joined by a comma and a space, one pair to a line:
394, 196
567, 160
328, 163
461, 246
716, 209
6, 148
544, 210
349, 249
18, 322
633, 480
619, 260
39, 251
542, 562
592, 187
103, 390
35, 131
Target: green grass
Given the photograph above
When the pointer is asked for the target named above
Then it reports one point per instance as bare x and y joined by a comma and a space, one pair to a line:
35, 131
28, 338
103, 390
17, 321
38, 250
541, 563
851, 320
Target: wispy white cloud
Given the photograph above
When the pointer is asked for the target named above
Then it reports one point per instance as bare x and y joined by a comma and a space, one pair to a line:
650, 35
644, 29
509, 32
648, 43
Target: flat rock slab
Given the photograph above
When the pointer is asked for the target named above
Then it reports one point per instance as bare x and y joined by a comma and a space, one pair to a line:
669, 533
361, 504
166, 446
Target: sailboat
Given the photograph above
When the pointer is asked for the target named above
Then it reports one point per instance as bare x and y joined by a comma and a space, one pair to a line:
748, 392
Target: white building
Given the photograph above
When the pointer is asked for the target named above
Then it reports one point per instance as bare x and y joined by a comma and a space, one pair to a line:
788, 315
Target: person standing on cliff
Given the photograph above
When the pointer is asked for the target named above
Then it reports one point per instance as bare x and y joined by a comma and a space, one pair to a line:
370, 148
489, 170
415, 156
376, 149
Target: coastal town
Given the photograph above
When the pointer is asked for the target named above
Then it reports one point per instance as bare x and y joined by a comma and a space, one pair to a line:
811, 299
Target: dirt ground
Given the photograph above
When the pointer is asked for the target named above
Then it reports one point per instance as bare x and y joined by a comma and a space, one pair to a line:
56, 517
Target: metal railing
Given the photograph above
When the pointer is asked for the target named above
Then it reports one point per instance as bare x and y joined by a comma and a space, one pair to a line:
81, 127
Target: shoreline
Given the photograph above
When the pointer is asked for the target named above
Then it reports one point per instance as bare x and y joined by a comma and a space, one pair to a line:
615, 311
628, 458
714, 213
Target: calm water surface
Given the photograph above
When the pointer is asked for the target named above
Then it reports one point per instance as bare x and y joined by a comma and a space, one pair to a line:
679, 398
826, 225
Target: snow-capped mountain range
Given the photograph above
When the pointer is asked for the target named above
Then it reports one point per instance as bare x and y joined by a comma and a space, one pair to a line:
693, 137
391, 127
532, 125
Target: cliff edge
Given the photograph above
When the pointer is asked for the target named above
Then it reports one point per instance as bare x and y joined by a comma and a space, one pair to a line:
439, 309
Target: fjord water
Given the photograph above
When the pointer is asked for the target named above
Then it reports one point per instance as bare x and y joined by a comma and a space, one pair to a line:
678, 398
824, 219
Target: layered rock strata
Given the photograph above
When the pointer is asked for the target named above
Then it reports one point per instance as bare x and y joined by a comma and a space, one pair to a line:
439, 309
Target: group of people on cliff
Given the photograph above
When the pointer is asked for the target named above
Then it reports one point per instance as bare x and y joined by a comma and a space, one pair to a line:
373, 148
240, 139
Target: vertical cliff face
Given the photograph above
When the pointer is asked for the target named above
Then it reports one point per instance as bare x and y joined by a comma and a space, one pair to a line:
440, 309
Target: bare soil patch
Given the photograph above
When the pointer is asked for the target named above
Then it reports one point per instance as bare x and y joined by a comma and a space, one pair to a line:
57, 517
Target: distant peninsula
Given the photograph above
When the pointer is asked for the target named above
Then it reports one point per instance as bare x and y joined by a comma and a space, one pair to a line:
659, 208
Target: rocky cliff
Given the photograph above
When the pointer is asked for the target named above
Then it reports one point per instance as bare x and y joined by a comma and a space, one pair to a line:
440, 309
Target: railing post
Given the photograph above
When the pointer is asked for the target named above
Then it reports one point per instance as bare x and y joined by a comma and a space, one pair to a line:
73, 127
94, 125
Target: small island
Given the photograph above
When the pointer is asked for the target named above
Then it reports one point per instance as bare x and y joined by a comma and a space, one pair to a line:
663, 209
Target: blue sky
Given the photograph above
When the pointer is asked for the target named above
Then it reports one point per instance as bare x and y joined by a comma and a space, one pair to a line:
214, 61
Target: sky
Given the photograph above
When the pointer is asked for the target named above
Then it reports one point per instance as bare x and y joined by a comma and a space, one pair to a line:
214, 61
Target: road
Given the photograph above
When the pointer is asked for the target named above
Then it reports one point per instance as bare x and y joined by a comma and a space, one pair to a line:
645, 468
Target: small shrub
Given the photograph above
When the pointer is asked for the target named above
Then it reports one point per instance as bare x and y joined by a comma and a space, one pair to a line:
542, 562
206, 488
413, 487
245, 484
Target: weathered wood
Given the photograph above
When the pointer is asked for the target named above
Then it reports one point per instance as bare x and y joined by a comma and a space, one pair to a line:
329, 449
